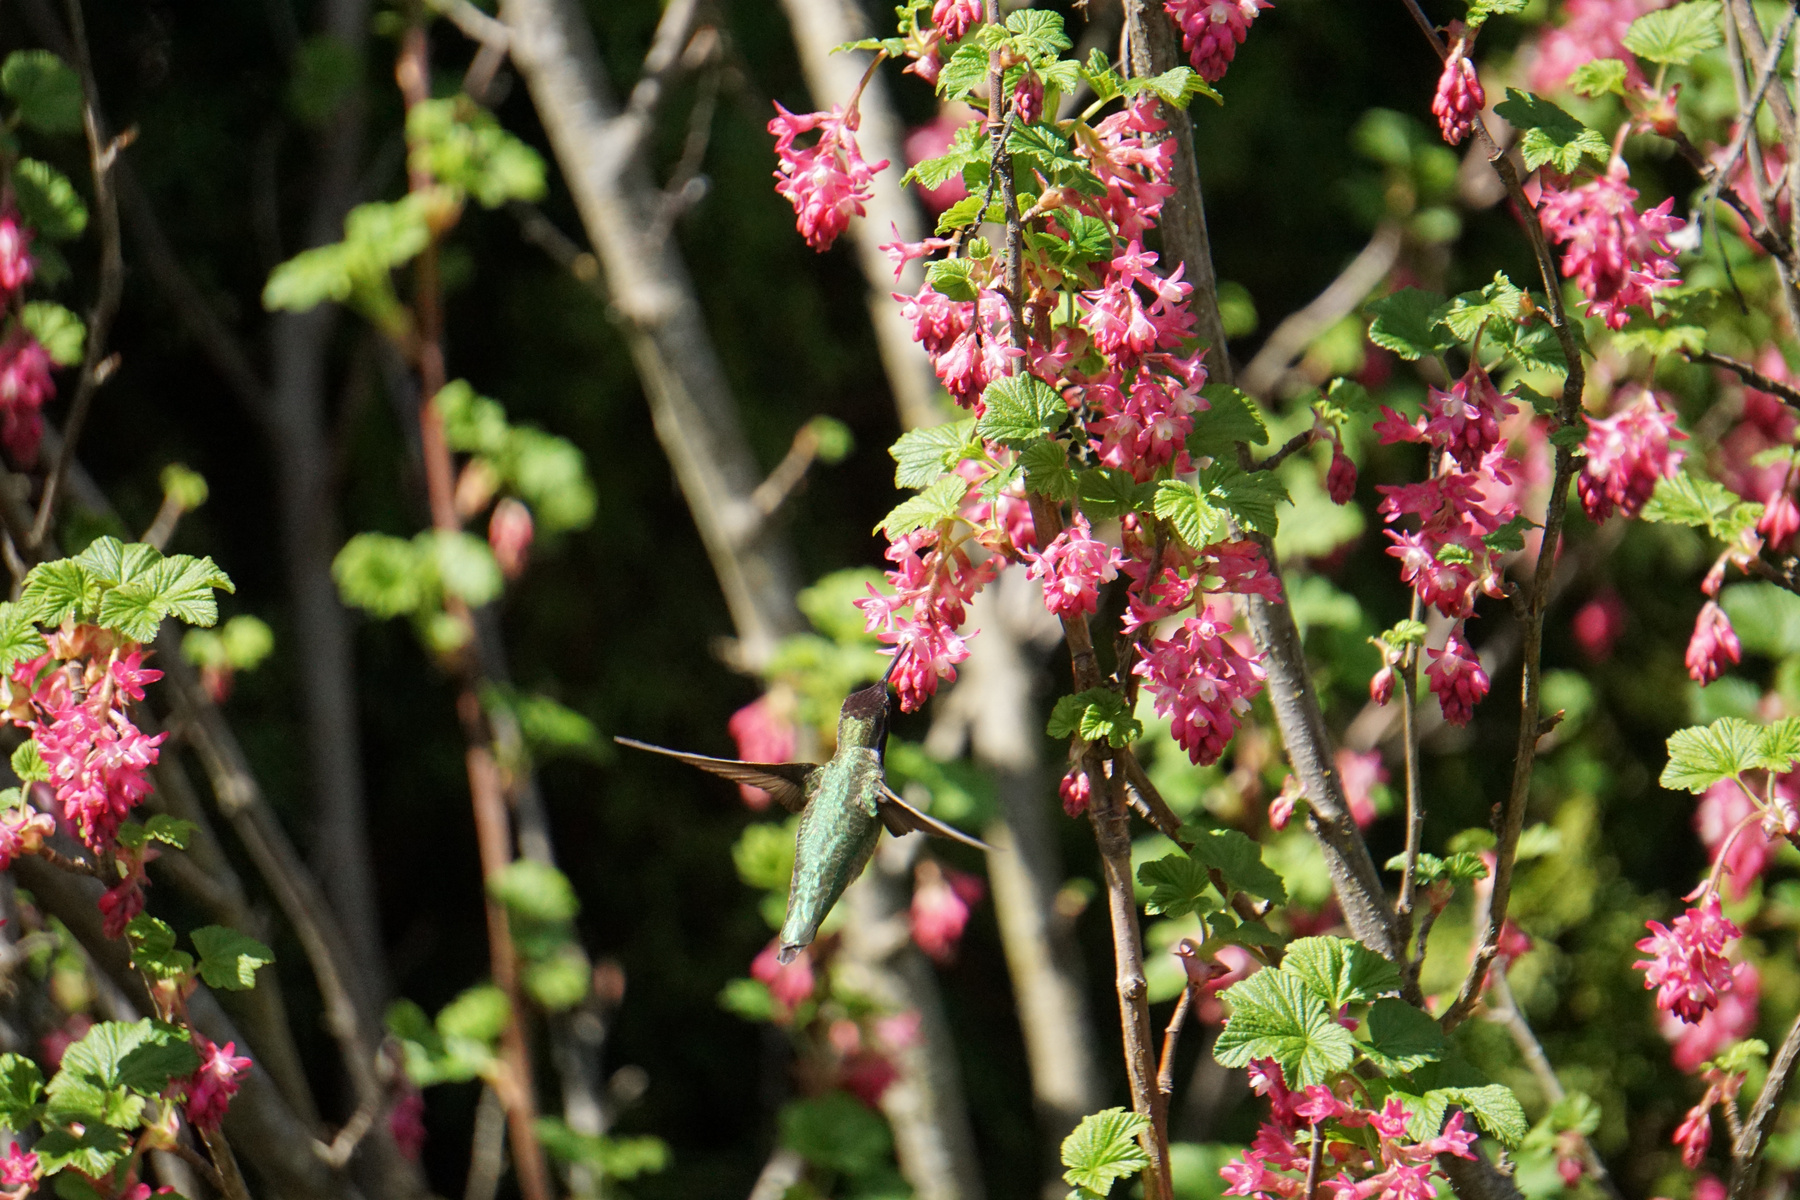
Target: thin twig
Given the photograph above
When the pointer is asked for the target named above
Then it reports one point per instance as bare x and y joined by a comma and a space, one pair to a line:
1165, 1071
1749, 374
785, 480
475, 25
1315, 1157
338, 1151
196, 1160
96, 365
1747, 113
1415, 806
1293, 445
1747, 1150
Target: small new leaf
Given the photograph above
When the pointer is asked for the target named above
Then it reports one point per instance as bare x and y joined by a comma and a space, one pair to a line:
1047, 471
1410, 323
1110, 492
939, 502
1275, 1015
19, 638
1675, 35
1250, 497
28, 764
1178, 885
45, 89
1706, 754
1340, 971
1103, 1150
1684, 499
1494, 1107
1197, 522
1510, 537
1095, 714
1402, 1038
1498, 304
1599, 77
1239, 859
1020, 409
1550, 134
229, 959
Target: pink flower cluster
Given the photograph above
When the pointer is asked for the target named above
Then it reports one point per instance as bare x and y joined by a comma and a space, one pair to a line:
826, 182
22, 831
1687, 964
1459, 99
762, 735
1714, 645
1616, 255
790, 984
1073, 566
935, 582
1212, 30
941, 902
1628, 454
1203, 683
1457, 680
19, 1173
1399, 1167
77, 715
1591, 29
210, 1088
16, 264
25, 385
1733, 1019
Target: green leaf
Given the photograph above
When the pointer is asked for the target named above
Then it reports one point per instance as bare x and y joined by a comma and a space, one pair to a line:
1275, 1015
465, 565
170, 831
1683, 499
1340, 971
1493, 1106
1047, 471
1675, 35
1110, 492
1738, 1057
1550, 135
1462, 867
559, 980
19, 638
462, 145
1175, 87
1104, 1149
21, 1090
1251, 497
968, 148
924, 454
1706, 754
1409, 323
1021, 409
28, 764
57, 591
1037, 31
939, 502
1599, 77
1778, 746
383, 575
142, 1056
1661, 342
1229, 418
964, 212
1238, 858
1178, 885
535, 891
1766, 617
478, 1014
184, 586
965, 71
1498, 303
622, 1158
153, 950
229, 959
836, 1133
58, 330
94, 1153
1402, 1038
1197, 521
48, 201
1107, 83
1510, 537
954, 278
46, 90
1095, 714
1481, 10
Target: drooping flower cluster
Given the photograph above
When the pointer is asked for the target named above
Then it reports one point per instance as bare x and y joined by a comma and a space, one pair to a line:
1687, 965
1714, 645
1628, 454
74, 699
19, 1173
1073, 566
16, 264
1212, 30
1733, 1018
1460, 98
210, 1088
1398, 1167
1201, 682
934, 582
1457, 680
827, 182
1616, 255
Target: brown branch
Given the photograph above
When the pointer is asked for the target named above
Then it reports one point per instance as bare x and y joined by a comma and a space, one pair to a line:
1415, 806
96, 364
1747, 114
1165, 1071
1749, 374
1747, 1150
789, 474
1292, 446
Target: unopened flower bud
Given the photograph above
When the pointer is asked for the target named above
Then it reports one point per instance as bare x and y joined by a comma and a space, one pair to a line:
509, 535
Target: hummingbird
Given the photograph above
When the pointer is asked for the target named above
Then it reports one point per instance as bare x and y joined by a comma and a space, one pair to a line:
843, 805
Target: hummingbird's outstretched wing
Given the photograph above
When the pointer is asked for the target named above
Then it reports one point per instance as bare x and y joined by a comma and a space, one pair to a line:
901, 817
784, 781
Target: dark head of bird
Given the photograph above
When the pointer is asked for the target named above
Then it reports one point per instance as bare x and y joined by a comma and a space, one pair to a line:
863, 719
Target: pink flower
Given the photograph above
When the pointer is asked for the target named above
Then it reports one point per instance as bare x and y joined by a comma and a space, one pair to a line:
1694, 1135
24, 386
1360, 772
1381, 686
1732, 1019
1459, 98
1075, 790
1628, 454
1203, 683
16, 263
867, 1075
1714, 645
826, 182
95, 756
1598, 624
1028, 97
210, 1089
1212, 30
119, 904
954, 18
19, 1173
509, 536
1616, 255
762, 735
930, 141
1073, 567
406, 1124
1457, 679
22, 831
940, 908
1687, 966
1340, 477
1780, 519
790, 985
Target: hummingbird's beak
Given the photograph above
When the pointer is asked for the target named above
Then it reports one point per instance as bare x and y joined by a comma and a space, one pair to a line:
892, 663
